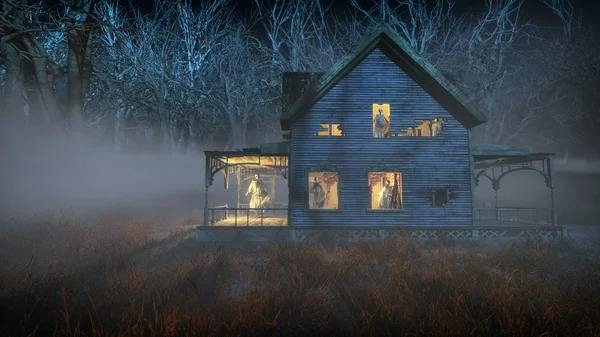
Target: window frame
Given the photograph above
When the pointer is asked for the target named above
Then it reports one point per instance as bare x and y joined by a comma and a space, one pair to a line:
322, 168
330, 127
413, 129
433, 192
386, 169
389, 116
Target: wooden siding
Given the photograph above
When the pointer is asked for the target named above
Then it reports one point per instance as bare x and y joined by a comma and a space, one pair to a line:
426, 162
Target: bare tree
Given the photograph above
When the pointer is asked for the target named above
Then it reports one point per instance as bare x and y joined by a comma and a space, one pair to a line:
25, 28
240, 93
297, 31
116, 67
202, 31
513, 75
79, 23
155, 48
420, 22
19, 22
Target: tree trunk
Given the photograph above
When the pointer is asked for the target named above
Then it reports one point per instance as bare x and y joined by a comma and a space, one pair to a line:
79, 68
163, 126
182, 137
11, 106
49, 104
163, 118
237, 133
173, 132
193, 136
120, 123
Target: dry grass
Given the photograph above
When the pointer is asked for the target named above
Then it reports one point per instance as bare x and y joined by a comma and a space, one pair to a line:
66, 277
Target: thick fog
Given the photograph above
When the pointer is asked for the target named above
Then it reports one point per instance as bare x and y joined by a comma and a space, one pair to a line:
88, 178
38, 176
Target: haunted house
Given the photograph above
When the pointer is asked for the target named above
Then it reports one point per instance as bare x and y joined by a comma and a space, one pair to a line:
381, 139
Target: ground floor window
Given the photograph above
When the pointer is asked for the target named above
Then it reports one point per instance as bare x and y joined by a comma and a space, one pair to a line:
439, 197
386, 190
323, 190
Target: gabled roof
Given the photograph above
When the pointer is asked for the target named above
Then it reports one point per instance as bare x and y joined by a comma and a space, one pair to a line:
415, 66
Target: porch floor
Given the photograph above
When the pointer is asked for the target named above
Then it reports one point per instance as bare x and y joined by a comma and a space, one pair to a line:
255, 221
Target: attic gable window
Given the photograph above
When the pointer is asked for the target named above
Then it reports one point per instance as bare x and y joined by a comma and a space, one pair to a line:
381, 120
424, 128
330, 130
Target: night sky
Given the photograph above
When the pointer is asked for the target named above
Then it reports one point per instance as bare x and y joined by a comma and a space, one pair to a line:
533, 9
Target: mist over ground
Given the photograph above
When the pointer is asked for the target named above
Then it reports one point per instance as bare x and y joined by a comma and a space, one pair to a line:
92, 180
88, 179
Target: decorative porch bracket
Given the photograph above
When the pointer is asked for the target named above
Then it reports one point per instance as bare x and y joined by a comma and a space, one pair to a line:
546, 169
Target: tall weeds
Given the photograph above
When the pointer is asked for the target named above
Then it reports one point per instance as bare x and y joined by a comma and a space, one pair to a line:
115, 278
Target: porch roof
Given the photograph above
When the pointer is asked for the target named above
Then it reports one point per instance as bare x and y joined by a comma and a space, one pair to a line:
487, 155
484, 155
267, 154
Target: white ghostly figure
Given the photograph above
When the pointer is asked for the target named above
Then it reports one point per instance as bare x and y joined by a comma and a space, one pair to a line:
385, 196
380, 122
436, 126
258, 193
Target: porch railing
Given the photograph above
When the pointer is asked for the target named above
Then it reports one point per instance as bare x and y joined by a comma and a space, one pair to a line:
505, 216
242, 216
502, 216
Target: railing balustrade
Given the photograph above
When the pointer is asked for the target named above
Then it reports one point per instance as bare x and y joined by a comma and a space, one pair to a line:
502, 216
505, 216
245, 214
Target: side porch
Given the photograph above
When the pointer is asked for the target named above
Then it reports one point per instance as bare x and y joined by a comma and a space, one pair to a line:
490, 219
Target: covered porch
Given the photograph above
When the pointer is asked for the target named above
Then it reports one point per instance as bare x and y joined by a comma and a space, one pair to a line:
270, 161
494, 163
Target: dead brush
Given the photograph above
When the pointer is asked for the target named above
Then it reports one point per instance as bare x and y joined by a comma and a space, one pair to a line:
119, 283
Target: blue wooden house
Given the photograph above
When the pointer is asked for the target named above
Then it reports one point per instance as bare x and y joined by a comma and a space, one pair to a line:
381, 139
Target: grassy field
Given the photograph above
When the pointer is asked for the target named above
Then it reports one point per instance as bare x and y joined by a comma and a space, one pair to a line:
146, 276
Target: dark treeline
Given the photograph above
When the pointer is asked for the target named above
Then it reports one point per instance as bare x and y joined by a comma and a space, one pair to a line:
183, 78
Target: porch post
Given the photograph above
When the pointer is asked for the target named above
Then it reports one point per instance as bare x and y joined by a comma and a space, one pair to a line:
207, 174
496, 187
238, 175
472, 176
550, 163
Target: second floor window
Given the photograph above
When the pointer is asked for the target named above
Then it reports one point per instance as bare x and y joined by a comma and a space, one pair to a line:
330, 130
424, 128
381, 120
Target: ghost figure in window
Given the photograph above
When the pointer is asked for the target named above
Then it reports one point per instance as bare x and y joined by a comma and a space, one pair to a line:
258, 193
385, 196
380, 123
318, 194
436, 126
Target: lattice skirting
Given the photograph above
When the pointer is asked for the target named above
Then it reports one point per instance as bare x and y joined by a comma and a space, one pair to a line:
349, 234
313, 235
535, 235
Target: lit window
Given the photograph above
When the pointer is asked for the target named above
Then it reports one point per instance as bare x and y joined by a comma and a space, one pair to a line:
323, 190
425, 128
386, 190
331, 130
381, 120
